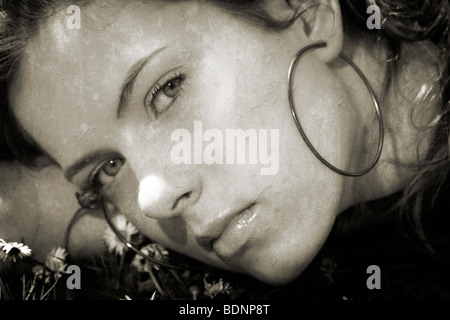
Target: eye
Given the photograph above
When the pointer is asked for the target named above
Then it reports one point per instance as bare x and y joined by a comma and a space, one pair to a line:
164, 94
108, 170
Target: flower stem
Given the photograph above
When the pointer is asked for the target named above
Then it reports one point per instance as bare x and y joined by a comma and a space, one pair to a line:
155, 281
50, 289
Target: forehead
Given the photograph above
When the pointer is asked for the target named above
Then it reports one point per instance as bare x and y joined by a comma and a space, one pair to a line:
66, 74
109, 33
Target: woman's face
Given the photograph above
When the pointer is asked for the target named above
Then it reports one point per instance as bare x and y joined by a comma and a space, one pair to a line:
146, 99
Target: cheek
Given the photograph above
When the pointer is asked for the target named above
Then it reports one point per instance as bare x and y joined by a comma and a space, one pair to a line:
123, 192
293, 237
304, 199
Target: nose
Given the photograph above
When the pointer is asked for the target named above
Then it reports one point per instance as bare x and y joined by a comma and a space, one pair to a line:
160, 199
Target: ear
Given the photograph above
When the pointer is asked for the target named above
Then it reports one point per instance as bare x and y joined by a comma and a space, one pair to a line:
321, 22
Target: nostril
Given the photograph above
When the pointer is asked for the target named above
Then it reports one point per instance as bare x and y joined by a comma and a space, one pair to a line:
183, 197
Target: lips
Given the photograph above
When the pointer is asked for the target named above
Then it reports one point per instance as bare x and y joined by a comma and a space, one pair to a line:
232, 234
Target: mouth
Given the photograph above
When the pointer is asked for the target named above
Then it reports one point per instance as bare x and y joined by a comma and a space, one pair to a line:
233, 235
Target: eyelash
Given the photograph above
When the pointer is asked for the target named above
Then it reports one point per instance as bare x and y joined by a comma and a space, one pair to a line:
91, 182
89, 198
159, 86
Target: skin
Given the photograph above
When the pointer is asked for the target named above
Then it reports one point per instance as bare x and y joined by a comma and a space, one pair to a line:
36, 208
67, 92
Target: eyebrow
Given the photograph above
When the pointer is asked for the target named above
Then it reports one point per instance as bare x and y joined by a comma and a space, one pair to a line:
124, 103
126, 95
85, 161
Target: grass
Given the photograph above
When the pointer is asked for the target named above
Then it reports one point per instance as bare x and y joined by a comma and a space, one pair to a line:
339, 272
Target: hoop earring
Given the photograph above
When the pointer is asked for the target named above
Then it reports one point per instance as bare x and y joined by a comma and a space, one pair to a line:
303, 134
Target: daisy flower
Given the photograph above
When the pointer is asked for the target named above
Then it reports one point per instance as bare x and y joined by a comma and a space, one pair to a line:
56, 260
14, 250
156, 250
38, 270
153, 250
113, 243
138, 262
216, 288
40, 273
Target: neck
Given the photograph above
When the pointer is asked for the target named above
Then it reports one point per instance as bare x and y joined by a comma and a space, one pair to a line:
408, 102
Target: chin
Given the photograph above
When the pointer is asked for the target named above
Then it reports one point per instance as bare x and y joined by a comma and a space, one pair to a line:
277, 275
278, 278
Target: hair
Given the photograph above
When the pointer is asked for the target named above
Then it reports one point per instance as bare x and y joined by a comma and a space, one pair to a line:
404, 21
